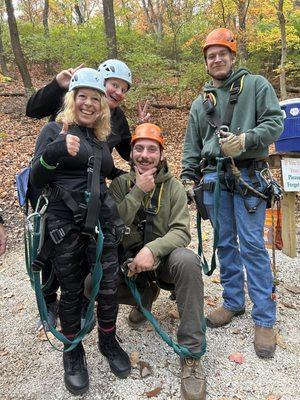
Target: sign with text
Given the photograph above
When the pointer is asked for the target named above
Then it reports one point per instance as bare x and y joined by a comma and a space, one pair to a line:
291, 174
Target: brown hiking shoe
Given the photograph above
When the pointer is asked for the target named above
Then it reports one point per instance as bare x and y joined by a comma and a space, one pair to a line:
193, 384
221, 316
136, 317
264, 342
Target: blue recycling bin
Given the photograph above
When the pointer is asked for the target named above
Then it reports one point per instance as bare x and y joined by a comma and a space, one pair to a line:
289, 141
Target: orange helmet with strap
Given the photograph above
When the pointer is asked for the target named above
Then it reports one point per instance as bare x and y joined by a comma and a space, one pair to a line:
148, 131
220, 37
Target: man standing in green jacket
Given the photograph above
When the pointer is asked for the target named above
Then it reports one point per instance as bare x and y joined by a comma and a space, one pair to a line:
153, 204
237, 118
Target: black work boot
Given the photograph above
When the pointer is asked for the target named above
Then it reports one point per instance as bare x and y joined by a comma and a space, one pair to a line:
76, 373
117, 358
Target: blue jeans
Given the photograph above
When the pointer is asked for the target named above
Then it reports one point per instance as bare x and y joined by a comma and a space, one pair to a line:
241, 244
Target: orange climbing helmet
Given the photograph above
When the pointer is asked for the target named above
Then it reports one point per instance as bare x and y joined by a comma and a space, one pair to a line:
220, 37
148, 131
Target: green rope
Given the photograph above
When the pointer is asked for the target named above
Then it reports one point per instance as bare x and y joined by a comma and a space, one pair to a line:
182, 351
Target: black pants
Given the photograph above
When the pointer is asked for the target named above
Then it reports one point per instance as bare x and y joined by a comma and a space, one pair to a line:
69, 259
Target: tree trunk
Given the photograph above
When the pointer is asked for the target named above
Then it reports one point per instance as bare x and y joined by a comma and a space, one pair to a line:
110, 28
3, 65
242, 10
281, 18
46, 33
80, 18
17, 49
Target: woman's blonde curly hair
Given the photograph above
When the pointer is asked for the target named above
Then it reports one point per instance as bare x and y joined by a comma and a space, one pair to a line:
102, 123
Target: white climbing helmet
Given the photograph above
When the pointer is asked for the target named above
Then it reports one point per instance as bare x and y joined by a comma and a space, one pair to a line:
88, 78
115, 69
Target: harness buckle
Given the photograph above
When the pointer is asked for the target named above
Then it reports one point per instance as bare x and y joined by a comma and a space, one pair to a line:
57, 235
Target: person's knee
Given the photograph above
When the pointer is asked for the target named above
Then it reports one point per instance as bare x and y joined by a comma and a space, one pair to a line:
186, 262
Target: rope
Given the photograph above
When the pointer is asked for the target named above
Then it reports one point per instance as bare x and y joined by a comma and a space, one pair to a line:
182, 351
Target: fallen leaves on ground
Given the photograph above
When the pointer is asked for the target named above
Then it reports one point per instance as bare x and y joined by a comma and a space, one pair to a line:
134, 358
43, 337
289, 305
145, 369
293, 288
154, 392
215, 279
174, 314
280, 342
273, 397
3, 353
237, 358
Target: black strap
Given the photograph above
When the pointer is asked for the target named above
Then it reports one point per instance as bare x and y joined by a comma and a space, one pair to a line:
94, 200
211, 113
151, 211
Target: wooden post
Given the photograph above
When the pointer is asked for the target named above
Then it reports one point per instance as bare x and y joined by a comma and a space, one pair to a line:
289, 224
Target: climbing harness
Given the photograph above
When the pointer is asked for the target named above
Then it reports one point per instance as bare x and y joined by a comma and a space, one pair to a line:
38, 248
144, 221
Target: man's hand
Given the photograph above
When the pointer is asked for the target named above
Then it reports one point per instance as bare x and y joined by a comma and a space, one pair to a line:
63, 78
3, 240
232, 145
143, 261
189, 188
143, 115
145, 181
72, 141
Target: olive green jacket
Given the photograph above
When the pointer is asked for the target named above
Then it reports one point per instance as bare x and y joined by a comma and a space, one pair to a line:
171, 227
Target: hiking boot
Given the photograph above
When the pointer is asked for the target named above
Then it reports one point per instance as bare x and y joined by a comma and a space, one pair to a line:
52, 309
76, 375
264, 342
193, 384
221, 316
117, 358
136, 318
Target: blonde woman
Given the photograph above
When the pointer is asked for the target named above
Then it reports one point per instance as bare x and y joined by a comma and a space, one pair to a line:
72, 157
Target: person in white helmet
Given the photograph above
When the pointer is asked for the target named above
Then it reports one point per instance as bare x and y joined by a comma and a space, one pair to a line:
71, 158
48, 100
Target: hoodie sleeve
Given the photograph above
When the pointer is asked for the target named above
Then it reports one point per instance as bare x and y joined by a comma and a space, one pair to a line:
192, 144
268, 115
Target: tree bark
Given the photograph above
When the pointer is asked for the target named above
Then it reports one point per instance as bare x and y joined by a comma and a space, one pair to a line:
3, 65
46, 33
17, 49
110, 28
282, 78
80, 18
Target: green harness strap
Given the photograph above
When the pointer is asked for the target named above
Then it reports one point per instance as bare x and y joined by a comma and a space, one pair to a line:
96, 273
208, 270
182, 351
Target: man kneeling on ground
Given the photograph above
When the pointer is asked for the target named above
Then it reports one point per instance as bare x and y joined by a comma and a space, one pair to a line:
153, 204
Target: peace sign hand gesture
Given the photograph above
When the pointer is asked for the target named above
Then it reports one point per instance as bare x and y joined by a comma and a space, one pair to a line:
143, 115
